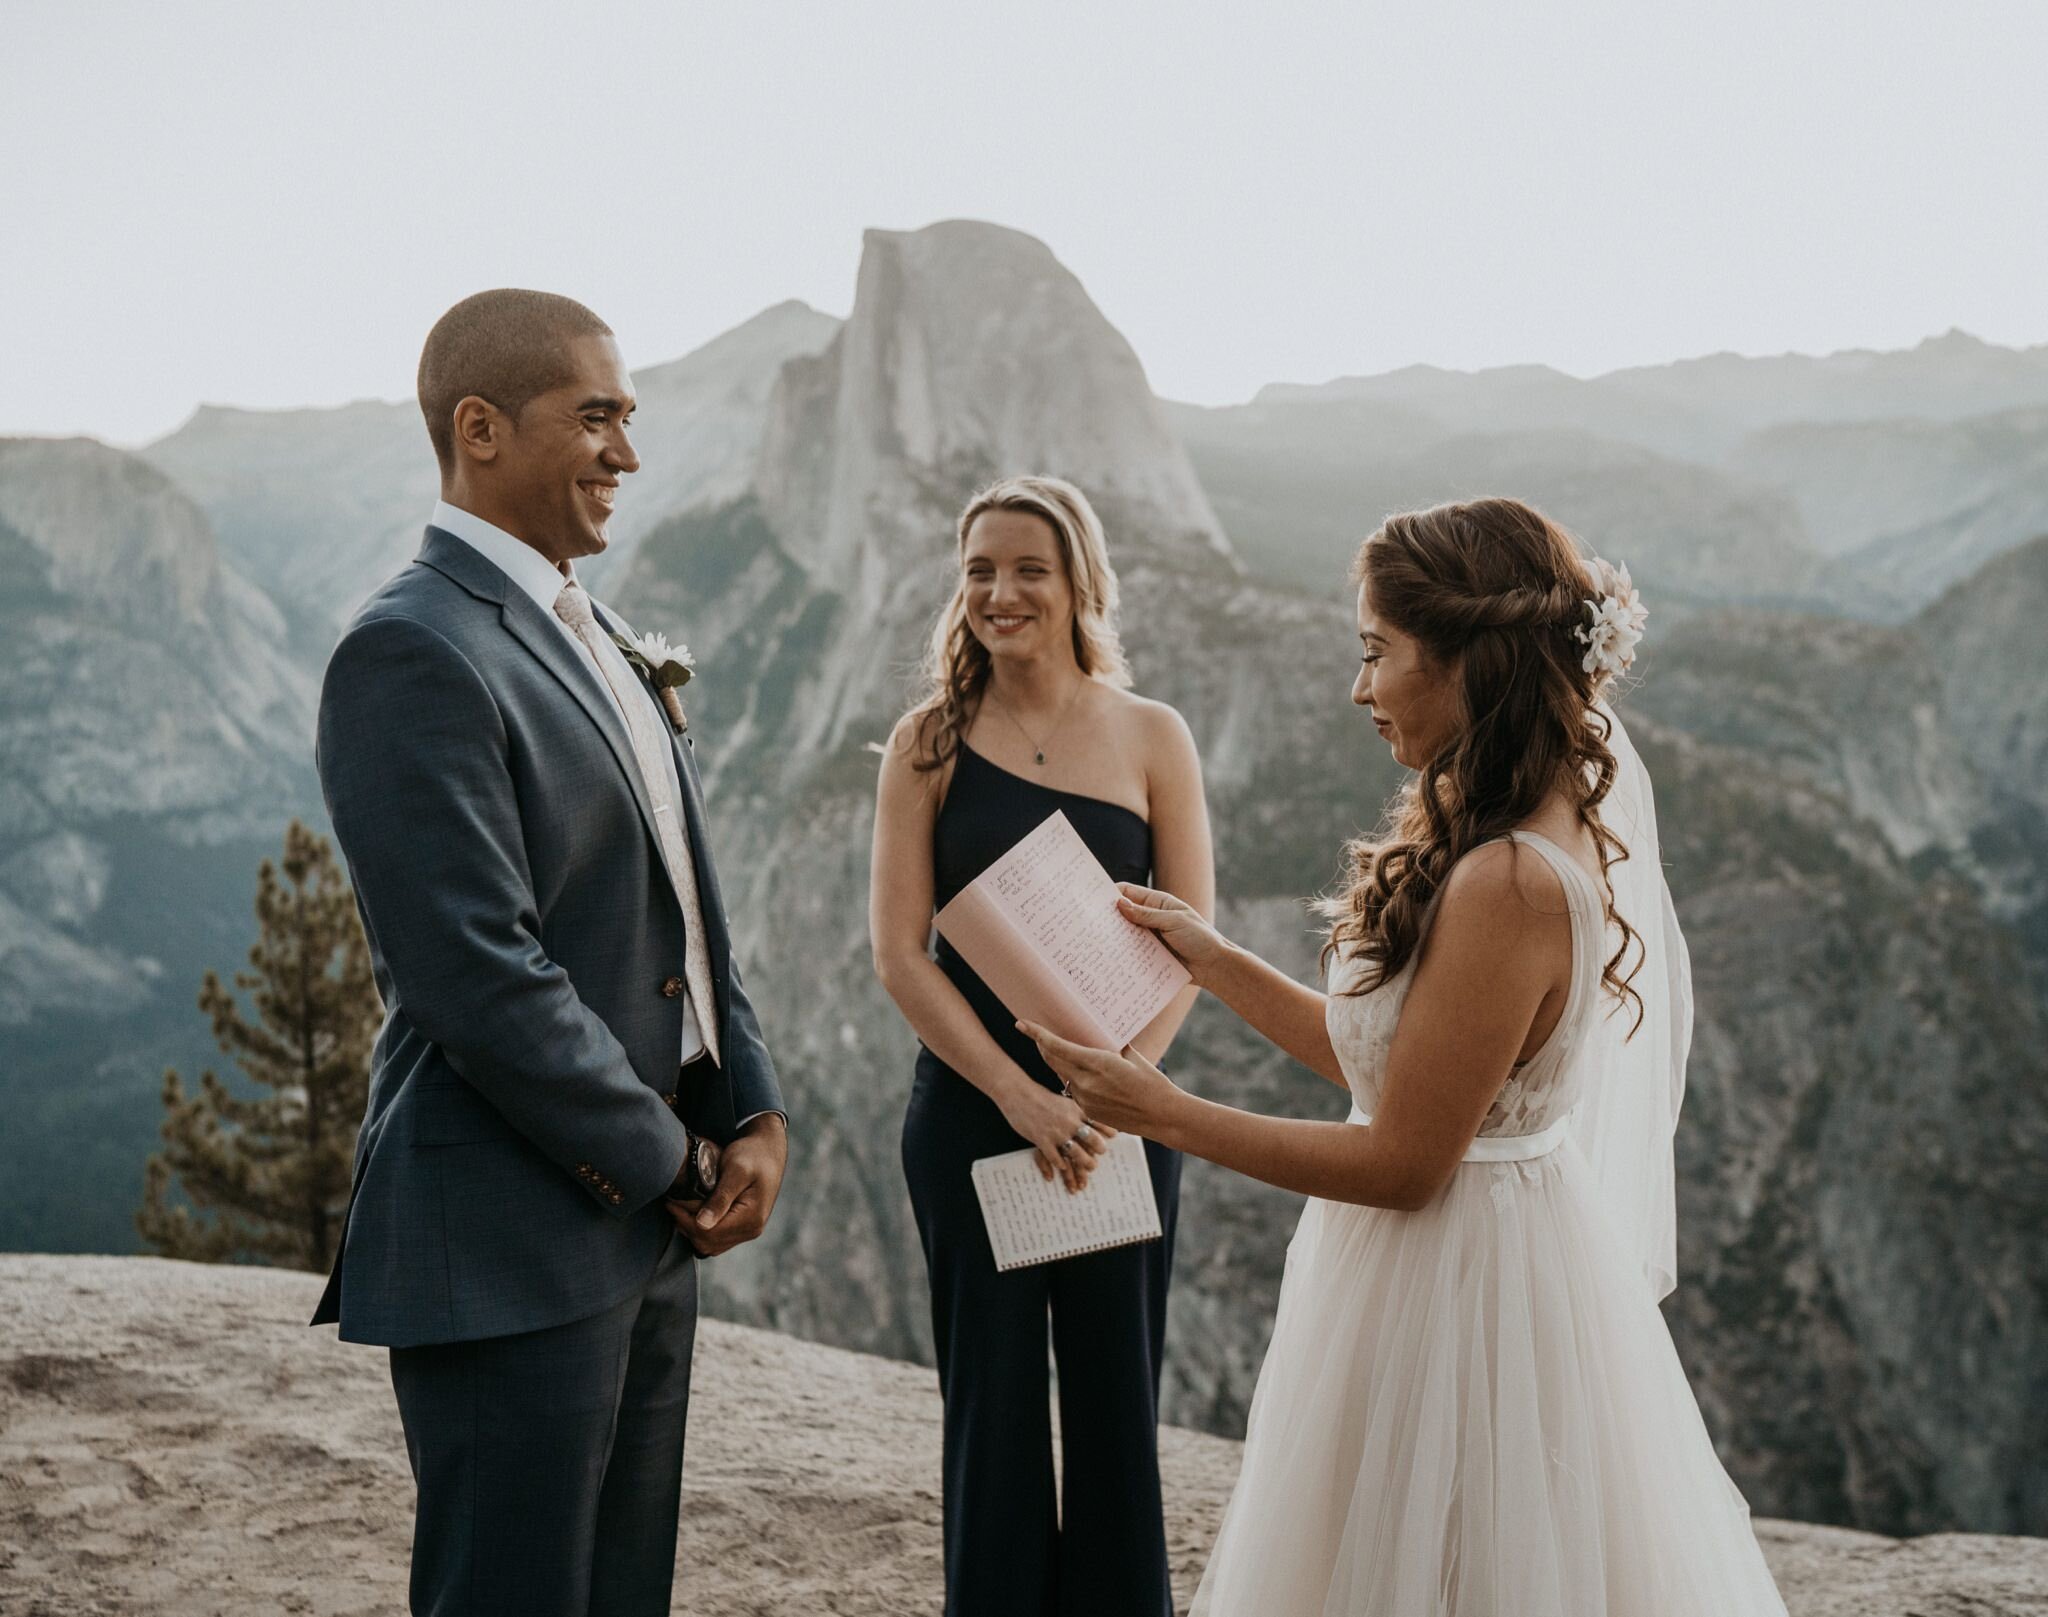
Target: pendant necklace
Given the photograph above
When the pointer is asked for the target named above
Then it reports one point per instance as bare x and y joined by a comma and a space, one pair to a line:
1037, 748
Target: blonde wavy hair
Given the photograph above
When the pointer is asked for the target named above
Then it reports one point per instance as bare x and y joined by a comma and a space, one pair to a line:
955, 669
1493, 591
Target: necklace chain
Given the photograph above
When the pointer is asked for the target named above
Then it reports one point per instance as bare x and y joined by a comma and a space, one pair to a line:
1038, 747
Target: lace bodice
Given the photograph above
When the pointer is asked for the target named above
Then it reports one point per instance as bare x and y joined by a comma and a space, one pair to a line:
1538, 1092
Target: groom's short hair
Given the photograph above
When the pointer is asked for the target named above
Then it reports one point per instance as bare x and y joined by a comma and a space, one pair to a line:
508, 345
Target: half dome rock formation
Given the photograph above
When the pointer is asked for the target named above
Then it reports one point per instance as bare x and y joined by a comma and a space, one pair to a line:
971, 353
174, 1441
145, 675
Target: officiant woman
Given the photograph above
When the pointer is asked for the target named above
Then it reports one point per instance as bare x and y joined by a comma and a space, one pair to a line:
1027, 709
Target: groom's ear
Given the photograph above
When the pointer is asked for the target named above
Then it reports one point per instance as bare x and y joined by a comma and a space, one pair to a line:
479, 428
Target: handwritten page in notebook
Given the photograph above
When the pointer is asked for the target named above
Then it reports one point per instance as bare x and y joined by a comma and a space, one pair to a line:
1032, 1221
1040, 926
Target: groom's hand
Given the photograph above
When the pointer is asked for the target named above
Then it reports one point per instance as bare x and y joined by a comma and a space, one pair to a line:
749, 1180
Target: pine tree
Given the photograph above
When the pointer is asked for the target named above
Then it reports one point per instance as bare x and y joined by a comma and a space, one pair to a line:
274, 1170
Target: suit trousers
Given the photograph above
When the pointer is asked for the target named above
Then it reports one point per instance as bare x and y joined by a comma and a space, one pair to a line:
550, 1463
1011, 1550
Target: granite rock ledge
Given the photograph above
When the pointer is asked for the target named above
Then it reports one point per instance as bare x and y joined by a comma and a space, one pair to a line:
174, 1441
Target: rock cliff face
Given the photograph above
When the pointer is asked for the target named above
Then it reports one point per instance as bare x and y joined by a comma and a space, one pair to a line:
1865, 485
700, 418
146, 676
1863, 837
155, 722
317, 506
1867, 1101
1930, 733
1985, 636
99, 527
971, 351
176, 1442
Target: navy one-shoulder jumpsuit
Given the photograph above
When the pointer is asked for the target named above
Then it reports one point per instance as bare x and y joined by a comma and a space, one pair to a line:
1010, 1547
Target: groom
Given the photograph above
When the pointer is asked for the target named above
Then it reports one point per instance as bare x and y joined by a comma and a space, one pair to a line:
568, 1046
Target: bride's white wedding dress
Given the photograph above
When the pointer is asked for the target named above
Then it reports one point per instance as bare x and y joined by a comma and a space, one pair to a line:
1475, 1408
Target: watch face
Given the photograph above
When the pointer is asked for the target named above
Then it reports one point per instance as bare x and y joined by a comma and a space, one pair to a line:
707, 1165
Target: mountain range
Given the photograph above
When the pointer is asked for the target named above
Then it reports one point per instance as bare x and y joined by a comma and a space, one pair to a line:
1841, 700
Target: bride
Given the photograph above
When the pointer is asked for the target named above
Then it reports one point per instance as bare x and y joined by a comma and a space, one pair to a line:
1471, 1405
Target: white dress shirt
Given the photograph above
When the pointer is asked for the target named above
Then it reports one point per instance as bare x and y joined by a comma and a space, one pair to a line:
543, 580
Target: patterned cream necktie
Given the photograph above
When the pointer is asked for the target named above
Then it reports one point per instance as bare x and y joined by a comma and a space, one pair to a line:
654, 752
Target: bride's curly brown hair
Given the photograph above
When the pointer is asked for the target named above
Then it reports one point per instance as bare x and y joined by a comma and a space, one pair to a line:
1492, 591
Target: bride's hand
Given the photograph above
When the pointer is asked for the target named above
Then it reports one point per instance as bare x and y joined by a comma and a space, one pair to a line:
1176, 923
1126, 1090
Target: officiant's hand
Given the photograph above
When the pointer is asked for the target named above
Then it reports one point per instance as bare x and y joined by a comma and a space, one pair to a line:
1176, 923
749, 1179
1125, 1091
1068, 1141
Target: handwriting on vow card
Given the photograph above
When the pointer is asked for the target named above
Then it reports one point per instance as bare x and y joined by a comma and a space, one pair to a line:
1041, 928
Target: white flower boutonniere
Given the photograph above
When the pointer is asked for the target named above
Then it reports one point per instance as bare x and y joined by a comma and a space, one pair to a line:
668, 669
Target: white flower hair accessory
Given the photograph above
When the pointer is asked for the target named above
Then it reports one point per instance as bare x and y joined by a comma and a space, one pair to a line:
668, 668
1618, 618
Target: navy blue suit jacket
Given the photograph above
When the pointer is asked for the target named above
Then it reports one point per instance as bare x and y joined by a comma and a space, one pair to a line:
528, 944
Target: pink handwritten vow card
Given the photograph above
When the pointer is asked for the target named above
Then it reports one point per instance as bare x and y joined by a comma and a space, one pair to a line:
1040, 926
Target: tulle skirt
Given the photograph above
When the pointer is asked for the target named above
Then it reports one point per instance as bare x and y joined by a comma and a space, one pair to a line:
1475, 1410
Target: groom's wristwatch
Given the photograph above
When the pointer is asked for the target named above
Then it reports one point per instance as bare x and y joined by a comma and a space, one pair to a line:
700, 1169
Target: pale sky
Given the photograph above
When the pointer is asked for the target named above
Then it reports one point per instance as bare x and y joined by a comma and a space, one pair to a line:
268, 204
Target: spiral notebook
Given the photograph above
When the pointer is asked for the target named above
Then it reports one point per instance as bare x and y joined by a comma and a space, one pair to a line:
1034, 1220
